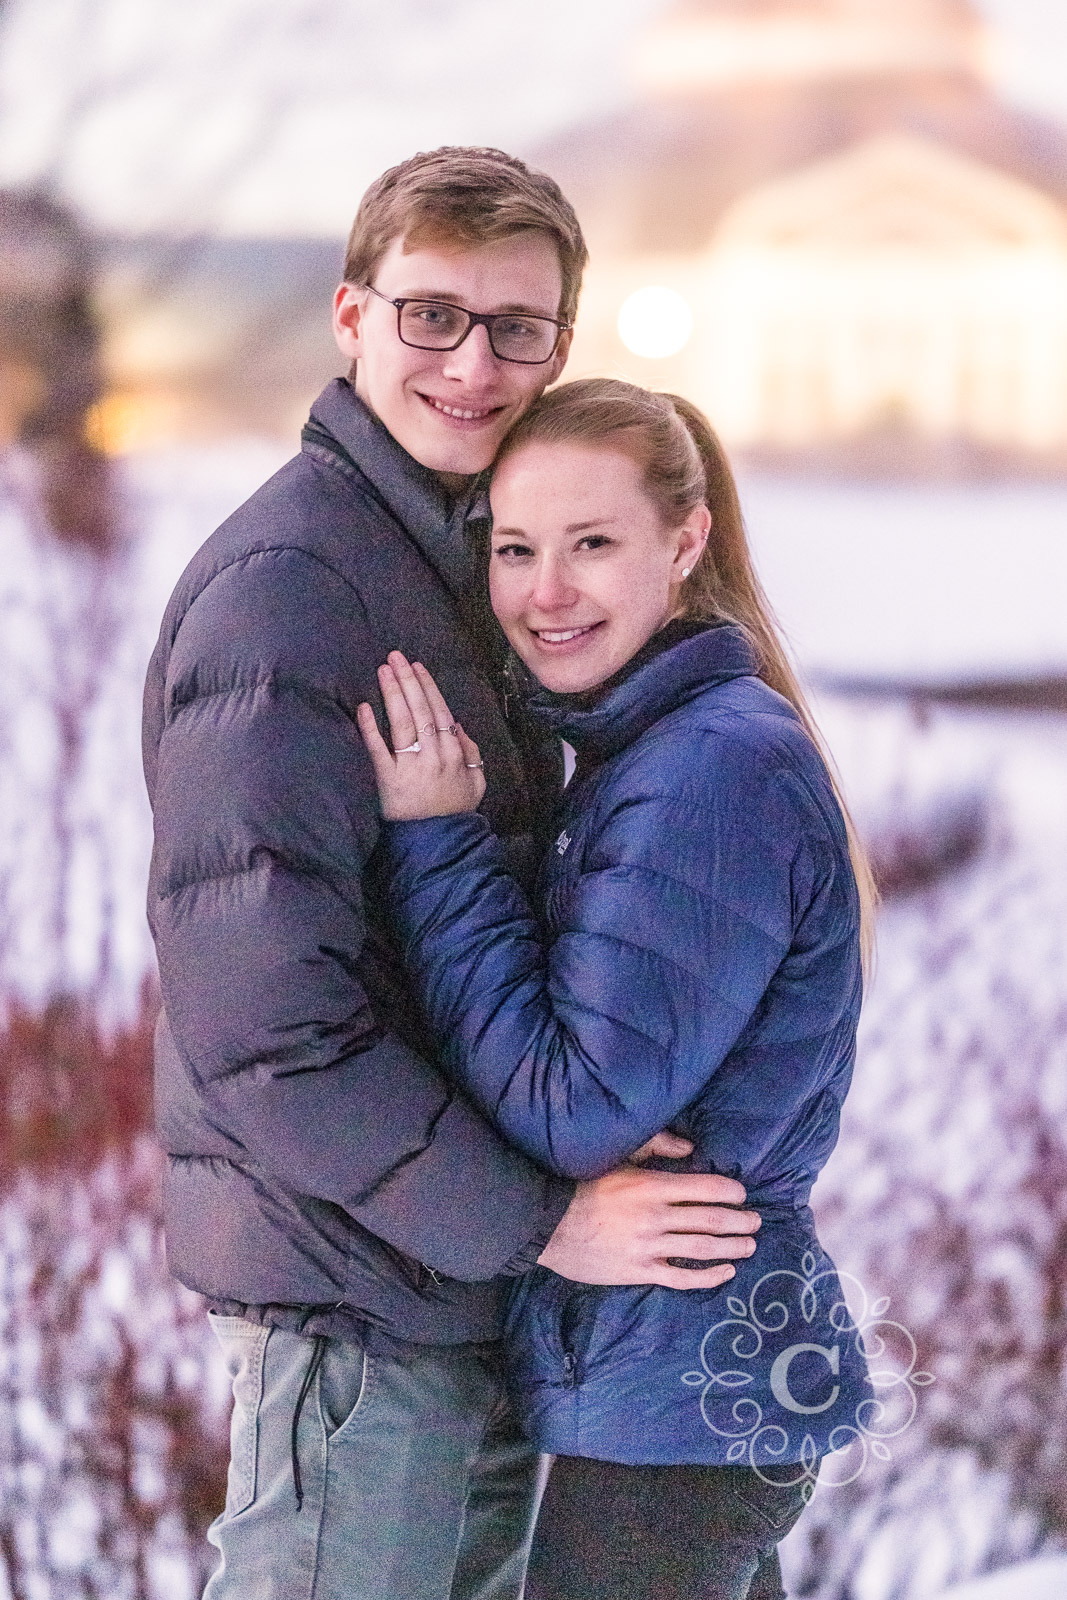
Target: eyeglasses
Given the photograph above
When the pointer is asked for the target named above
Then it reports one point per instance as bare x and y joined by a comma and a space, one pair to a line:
438, 325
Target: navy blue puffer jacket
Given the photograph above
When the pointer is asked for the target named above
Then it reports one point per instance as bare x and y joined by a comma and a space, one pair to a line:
695, 965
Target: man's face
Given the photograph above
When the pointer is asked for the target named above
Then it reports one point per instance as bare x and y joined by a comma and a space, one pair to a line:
450, 409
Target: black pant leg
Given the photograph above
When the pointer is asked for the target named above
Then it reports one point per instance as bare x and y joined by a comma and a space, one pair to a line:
612, 1532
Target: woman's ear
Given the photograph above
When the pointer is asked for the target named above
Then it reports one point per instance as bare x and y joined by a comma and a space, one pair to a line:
692, 536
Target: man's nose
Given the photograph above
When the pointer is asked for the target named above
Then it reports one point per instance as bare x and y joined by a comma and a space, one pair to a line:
473, 361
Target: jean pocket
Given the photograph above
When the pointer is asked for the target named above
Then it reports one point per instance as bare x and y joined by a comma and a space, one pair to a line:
777, 1505
342, 1386
244, 1346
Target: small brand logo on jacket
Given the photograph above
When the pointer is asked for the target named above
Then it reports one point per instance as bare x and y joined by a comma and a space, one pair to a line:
563, 843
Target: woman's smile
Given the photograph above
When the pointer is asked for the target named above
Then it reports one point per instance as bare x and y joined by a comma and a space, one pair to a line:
556, 638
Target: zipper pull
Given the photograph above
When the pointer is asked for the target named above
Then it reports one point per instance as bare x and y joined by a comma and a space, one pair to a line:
570, 1370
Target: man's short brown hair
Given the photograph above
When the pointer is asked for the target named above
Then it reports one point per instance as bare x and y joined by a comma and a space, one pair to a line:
465, 196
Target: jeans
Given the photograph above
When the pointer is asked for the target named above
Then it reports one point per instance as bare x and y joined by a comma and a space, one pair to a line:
612, 1532
416, 1483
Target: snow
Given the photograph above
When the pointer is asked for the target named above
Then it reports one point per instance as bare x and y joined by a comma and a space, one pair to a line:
915, 582
115, 1391
76, 837
945, 1191
1032, 1580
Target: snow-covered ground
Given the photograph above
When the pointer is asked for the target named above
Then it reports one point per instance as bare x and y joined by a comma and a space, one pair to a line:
914, 581
1031, 1580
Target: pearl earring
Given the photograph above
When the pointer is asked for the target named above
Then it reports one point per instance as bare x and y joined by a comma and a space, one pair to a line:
686, 571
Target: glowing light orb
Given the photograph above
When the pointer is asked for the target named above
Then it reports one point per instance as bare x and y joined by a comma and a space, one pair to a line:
655, 322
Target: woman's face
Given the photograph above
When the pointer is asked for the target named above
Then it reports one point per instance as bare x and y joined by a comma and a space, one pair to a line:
582, 571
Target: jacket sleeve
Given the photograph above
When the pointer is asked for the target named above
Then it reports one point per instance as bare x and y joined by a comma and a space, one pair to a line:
583, 1048
265, 817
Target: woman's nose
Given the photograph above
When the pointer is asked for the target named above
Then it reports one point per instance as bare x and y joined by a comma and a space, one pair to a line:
552, 587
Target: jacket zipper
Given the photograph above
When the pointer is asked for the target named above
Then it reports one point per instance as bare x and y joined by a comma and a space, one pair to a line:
570, 1370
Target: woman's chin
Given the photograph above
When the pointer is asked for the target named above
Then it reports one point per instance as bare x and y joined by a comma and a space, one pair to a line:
565, 677
572, 667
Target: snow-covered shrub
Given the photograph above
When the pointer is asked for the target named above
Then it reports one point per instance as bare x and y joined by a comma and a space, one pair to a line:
948, 1193
915, 847
112, 1399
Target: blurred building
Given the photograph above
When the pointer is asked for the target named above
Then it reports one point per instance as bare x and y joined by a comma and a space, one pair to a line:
821, 223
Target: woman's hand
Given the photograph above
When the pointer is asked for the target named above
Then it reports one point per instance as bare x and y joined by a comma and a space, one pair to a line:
433, 769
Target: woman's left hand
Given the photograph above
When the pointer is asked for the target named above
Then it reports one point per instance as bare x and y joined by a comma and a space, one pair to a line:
433, 769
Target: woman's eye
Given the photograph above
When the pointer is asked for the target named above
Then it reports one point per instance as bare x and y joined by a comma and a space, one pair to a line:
512, 552
595, 541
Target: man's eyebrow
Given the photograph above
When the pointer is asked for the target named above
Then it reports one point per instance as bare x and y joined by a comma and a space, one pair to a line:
509, 308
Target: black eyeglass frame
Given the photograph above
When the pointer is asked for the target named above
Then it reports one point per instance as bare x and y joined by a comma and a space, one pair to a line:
475, 319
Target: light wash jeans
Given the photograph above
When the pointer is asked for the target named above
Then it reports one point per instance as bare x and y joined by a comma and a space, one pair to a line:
417, 1484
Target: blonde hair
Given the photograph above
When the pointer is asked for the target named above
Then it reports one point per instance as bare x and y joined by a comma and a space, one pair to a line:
467, 196
684, 465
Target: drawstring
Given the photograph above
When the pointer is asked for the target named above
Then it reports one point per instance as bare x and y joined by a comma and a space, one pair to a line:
309, 1378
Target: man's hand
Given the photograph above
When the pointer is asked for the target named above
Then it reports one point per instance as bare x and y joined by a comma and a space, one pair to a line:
626, 1227
671, 1145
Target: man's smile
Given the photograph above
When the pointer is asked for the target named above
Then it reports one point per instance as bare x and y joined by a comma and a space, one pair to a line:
461, 413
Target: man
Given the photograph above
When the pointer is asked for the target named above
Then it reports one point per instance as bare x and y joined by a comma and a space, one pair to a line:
352, 1221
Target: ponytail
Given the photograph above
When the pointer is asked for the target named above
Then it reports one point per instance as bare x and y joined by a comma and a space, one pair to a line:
723, 586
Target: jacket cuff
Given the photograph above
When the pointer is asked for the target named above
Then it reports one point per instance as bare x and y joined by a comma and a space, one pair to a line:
559, 1192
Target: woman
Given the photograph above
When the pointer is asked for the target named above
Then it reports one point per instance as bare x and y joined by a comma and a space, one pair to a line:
693, 964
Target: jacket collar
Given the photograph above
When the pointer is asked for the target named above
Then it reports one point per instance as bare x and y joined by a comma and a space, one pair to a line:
342, 426
675, 675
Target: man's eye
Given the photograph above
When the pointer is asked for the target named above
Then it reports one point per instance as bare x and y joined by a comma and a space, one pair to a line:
518, 329
435, 316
